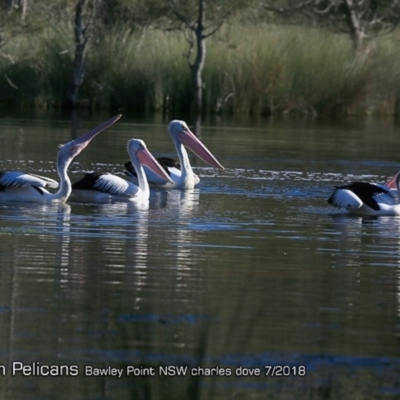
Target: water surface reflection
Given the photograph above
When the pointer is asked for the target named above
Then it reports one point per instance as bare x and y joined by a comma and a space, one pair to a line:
251, 269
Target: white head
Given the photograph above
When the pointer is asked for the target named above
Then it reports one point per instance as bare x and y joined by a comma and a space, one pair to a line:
139, 153
180, 133
176, 126
71, 149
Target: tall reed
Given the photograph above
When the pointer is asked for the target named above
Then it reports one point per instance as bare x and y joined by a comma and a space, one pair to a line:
275, 69
383, 88
250, 69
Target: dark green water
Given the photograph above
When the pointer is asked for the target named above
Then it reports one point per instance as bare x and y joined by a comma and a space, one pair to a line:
251, 282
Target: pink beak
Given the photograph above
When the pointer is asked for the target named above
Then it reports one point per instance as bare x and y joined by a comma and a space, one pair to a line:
188, 139
392, 182
147, 159
79, 144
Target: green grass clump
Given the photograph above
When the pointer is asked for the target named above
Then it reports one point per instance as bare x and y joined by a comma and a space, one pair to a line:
272, 69
250, 69
383, 88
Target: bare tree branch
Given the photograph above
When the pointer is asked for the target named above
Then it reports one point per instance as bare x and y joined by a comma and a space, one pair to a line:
180, 16
10, 82
360, 18
215, 30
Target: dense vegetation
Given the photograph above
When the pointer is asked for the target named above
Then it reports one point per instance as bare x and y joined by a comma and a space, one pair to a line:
253, 65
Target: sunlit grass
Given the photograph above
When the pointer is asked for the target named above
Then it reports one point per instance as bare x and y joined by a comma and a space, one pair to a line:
276, 69
250, 69
383, 89
136, 71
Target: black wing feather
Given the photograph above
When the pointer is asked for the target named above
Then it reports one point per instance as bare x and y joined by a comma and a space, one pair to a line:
87, 182
366, 192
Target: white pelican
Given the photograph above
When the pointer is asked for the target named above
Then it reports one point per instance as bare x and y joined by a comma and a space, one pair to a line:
108, 187
24, 187
367, 198
181, 173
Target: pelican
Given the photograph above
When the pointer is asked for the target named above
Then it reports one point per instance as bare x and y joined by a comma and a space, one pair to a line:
18, 186
181, 172
367, 198
108, 187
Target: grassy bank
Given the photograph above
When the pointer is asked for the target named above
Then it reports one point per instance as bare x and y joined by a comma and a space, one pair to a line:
249, 69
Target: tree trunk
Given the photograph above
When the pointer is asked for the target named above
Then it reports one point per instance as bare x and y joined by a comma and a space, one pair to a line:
354, 24
198, 65
24, 5
78, 72
197, 125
